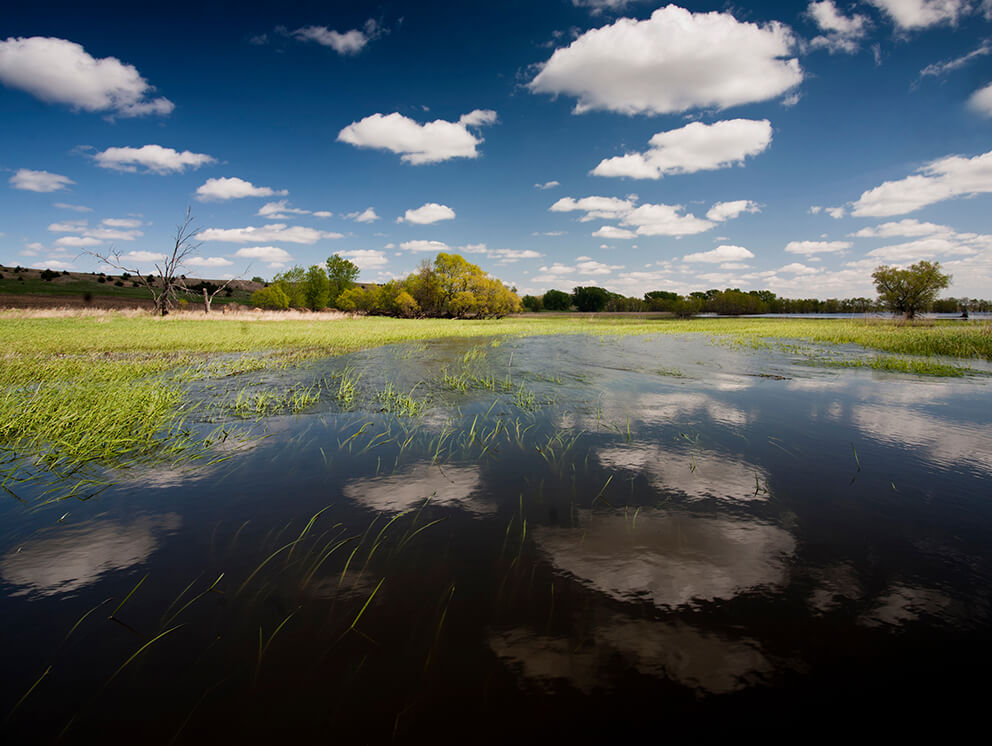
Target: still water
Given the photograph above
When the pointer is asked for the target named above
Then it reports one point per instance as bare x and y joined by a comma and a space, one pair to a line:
574, 537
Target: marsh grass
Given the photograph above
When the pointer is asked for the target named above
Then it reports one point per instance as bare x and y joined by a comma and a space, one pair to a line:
85, 387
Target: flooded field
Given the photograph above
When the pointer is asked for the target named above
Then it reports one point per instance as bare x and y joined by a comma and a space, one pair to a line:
538, 537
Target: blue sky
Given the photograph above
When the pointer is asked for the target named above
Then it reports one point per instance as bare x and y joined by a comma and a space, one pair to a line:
636, 146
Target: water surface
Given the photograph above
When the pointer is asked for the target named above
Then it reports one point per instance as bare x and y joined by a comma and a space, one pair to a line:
575, 537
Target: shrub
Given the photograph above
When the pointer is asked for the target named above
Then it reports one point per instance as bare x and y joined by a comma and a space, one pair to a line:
273, 297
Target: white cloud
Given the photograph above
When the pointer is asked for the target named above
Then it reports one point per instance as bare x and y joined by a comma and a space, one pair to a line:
428, 213
271, 255
367, 215
143, 256
798, 269
664, 220
598, 6
953, 176
39, 181
938, 69
596, 268
113, 234
672, 62
694, 147
209, 261
723, 253
917, 14
612, 232
933, 246
596, 208
366, 258
816, 247
233, 188
841, 33
509, 255
421, 245
272, 232
122, 222
981, 101
349, 42
548, 185
69, 226
417, 143
74, 208
815, 210
152, 158
279, 210
907, 227
78, 242
323, 214
835, 212
729, 210
61, 72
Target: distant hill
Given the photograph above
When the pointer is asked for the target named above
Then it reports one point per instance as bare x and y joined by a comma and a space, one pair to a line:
22, 287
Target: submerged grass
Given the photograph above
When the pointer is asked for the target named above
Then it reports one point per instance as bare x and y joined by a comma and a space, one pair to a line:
99, 388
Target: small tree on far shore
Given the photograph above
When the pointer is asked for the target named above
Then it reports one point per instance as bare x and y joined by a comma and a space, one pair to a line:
911, 290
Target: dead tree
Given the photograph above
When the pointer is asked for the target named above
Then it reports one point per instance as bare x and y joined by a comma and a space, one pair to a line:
169, 283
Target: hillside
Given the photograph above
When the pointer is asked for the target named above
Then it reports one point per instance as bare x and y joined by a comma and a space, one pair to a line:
22, 287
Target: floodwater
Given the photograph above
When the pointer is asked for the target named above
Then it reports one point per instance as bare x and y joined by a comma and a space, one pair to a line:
575, 538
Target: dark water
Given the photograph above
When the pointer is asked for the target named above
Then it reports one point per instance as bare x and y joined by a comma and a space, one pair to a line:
595, 539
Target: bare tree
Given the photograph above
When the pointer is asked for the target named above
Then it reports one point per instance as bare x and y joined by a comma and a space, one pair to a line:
169, 282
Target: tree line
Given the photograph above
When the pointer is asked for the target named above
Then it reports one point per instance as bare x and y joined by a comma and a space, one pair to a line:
447, 287
906, 290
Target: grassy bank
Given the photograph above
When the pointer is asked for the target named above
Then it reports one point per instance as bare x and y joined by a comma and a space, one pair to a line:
102, 387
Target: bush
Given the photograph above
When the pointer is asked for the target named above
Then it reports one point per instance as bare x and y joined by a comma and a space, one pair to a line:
273, 297
119, 283
101, 279
47, 275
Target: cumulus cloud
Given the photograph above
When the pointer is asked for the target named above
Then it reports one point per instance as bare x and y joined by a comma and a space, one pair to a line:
506, 256
366, 258
271, 255
612, 232
599, 6
840, 33
78, 242
918, 14
417, 143
39, 181
233, 188
664, 220
280, 210
151, 159
695, 147
816, 247
59, 71
933, 246
349, 42
367, 215
121, 222
143, 256
645, 220
271, 232
595, 208
428, 213
548, 185
908, 227
720, 254
981, 101
798, 269
209, 261
74, 208
424, 246
672, 62
836, 212
721, 211
946, 178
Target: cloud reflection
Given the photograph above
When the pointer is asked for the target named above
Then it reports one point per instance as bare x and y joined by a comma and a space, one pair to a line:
452, 485
669, 558
75, 557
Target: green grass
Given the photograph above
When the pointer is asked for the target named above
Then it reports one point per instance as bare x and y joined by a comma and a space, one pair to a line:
10, 285
108, 387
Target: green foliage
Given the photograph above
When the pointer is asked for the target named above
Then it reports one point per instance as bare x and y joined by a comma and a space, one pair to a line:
258, 279
532, 303
273, 297
47, 275
406, 306
557, 300
908, 291
590, 299
341, 275
316, 288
